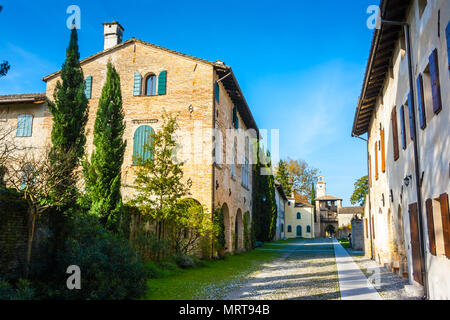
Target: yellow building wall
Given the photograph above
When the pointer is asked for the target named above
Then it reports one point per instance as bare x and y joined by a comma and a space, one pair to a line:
307, 219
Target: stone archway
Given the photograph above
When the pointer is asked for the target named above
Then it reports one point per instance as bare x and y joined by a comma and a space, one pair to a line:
239, 231
227, 224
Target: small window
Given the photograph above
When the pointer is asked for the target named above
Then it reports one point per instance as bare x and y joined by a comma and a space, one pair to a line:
308, 229
299, 215
217, 92
150, 85
289, 229
24, 125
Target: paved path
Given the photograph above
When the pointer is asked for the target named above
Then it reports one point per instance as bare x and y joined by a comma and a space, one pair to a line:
354, 285
305, 271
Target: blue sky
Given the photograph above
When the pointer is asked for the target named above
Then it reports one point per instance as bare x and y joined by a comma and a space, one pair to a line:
299, 63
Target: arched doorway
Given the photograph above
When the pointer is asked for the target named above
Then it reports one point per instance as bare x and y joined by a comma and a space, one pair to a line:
239, 231
330, 230
226, 220
299, 231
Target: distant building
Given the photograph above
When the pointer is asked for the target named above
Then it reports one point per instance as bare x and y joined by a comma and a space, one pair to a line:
345, 217
281, 200
327, 208
299, 217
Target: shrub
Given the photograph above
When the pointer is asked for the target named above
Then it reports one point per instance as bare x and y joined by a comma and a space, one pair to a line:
219, 228
109, 266
20, 291
184, 261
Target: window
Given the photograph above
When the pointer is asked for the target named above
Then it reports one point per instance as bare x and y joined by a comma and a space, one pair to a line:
395, 133
299, 215
289, 229
233, 164
88, 87
162, 83
411, 120
383, 152
150, 85
143, 140
435, 82
24, 125
246, 167
403, 126
235, 118
430, 226
308, 229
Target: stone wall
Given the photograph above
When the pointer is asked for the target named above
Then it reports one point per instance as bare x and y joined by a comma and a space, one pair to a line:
357, 234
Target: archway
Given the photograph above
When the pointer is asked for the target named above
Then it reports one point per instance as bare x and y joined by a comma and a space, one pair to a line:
330, 230
239, 231
226, 220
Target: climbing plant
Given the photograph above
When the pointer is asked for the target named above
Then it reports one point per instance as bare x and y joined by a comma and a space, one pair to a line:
246, 231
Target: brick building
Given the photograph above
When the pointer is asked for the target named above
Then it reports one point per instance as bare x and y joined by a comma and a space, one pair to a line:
154, 80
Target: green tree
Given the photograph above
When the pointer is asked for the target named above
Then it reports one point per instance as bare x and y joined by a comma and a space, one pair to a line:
313, 194
303, 176
70, 115
159, 177
103, 172
360, 192
284, 178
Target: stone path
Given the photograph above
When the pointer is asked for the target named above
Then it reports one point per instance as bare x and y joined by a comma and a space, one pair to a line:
306, 271
354, 285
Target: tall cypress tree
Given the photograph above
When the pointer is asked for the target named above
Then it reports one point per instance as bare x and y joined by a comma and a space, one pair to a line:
103, 173
70, 114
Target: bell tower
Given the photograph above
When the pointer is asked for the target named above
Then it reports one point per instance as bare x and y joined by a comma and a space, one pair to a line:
321, 188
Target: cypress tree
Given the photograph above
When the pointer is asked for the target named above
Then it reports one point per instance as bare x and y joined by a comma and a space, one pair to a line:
70, 114
103, 173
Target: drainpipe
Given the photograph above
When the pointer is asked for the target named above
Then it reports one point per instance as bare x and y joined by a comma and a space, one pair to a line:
406, 28
368, 194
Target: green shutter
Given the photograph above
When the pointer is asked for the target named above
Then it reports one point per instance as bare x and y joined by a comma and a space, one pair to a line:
88, 87
142, 143
137, 84
217, 92
411, 120
24, 125
162, 82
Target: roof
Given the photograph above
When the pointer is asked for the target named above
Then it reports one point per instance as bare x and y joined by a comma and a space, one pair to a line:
280, 190
381, 51
301, 201
22, 98
230, 83
327, 198
351, 210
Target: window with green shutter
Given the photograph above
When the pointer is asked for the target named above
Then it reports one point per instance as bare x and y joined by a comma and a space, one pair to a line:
137, 87
235, 118
88, 87
217, 92
411, 120
162, 82
143, 140
24, 125
435, 82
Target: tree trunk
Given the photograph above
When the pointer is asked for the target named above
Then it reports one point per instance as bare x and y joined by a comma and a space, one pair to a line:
31, 227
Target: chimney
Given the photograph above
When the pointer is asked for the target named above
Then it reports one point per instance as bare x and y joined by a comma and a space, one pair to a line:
113, 32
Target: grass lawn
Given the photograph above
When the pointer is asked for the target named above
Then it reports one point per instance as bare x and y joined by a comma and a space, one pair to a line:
345, 242
210, 281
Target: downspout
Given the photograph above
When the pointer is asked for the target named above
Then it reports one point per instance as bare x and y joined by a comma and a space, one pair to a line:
406, 27
213, 190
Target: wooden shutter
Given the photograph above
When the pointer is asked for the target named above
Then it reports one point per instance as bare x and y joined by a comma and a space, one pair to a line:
367, 229
435, 82
445, 223
430, 226
162, 82
410, 116
376, 160
370, 171
24, 125
88, 87
421, 103
217, 92
395, 133
383, 152
373, 227
403, 126
137, 87
415, 243
142, 142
